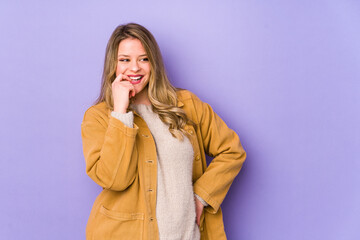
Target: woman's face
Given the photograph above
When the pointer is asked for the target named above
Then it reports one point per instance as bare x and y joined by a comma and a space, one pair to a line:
134, 63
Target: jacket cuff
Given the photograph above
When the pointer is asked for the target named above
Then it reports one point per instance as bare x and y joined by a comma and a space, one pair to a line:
213, 205
131, 132
201, 200
126, 118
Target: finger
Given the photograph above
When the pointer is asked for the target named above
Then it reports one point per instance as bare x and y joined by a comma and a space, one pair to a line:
125, 78
121, 77
118, 78
132, 91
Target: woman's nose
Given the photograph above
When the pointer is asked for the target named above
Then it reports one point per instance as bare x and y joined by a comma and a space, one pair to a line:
134, 66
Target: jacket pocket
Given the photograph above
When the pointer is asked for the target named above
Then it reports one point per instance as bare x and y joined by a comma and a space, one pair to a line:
113, 225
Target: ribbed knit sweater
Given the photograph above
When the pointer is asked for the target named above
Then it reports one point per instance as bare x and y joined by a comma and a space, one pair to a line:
175, 206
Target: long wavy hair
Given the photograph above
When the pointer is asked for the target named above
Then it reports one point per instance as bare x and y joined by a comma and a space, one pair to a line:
162, 94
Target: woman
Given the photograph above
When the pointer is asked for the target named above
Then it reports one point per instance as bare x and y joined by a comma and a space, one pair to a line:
145, 141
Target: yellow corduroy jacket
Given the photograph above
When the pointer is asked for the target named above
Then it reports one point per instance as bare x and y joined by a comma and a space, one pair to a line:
123, 161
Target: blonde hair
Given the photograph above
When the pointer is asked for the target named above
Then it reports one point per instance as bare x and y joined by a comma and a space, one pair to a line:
162, 94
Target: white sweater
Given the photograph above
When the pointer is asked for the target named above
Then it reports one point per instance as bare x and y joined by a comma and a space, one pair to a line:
175, 206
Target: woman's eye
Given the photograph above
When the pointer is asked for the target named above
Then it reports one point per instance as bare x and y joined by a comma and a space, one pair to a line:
145, 59
123, 60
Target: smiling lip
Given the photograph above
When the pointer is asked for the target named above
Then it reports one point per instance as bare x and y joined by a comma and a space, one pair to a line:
135, 79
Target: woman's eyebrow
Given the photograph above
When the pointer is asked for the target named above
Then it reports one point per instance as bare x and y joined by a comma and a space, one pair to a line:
124, 55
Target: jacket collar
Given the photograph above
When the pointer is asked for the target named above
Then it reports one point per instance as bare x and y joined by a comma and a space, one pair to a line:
180, 103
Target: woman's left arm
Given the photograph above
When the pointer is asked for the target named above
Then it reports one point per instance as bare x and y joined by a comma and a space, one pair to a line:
224, 145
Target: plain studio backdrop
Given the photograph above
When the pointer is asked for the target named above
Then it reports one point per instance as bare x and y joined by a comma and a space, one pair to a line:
283, 74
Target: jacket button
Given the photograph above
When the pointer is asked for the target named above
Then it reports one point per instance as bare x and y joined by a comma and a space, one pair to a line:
149, 161
191, 131
144, 135
198, 158
202, 229
150, 190
151, 219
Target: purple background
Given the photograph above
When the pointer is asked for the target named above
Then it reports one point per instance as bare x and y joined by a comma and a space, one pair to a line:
283, 74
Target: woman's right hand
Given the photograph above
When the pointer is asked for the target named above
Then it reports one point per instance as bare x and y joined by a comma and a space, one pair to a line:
122, 91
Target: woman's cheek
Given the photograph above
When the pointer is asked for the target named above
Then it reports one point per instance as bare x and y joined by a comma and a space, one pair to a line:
120, 69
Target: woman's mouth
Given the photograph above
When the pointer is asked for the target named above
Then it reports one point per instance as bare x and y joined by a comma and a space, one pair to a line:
135, 79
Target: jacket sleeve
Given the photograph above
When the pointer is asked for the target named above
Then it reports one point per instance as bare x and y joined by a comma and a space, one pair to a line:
109, 150
223, 144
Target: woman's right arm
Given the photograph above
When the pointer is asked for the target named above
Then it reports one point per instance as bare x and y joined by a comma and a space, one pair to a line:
110, 155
